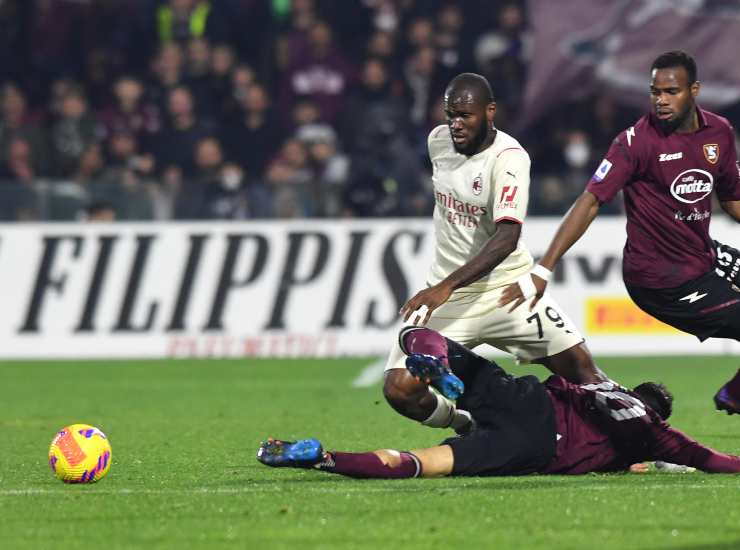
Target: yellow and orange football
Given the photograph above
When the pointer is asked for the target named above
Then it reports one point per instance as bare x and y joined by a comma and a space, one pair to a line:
80, 454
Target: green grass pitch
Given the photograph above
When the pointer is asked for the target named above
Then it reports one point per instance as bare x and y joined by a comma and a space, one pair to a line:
184, 474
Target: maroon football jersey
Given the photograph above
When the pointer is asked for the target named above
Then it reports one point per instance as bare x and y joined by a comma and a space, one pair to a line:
605, 427
667, 181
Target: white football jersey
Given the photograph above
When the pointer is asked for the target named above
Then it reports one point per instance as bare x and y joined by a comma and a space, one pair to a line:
471, 195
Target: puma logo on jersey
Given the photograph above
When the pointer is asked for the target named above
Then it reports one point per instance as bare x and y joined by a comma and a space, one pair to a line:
670, 156
693, 297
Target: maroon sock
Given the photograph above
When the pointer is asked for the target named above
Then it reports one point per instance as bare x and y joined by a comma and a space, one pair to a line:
733, 386
426, 341
369, 465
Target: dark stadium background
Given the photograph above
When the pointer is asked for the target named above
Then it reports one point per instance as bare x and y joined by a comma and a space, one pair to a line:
241, 109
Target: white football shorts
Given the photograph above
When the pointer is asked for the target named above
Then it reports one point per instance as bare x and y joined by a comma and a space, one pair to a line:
473, 319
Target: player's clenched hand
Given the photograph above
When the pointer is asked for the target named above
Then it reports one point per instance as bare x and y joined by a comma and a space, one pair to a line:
431, 298
513, 293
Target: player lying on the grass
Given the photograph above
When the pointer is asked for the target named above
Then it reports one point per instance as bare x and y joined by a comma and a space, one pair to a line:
667, 166
523, 426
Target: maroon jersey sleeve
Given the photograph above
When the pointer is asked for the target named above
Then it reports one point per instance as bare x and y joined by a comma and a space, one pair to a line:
674, 446
728, 186
617, 168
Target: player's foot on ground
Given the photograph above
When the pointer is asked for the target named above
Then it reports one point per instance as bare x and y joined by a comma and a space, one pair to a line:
723, 401
432, 371
303, 453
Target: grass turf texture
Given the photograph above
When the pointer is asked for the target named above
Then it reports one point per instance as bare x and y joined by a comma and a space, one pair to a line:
184, 474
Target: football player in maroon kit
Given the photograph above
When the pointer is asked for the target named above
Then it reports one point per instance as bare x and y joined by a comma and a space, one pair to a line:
667, 165
523, 426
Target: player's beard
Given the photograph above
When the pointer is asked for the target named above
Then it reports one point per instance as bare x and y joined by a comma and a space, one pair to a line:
477, 141
670, 126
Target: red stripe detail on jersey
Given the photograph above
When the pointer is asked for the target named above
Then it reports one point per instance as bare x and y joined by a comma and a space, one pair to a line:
509, 149
720, 306
508, 219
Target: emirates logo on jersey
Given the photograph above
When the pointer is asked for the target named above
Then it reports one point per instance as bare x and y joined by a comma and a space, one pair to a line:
477, 185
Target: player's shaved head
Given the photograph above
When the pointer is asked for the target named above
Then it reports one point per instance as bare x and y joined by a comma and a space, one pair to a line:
469, 88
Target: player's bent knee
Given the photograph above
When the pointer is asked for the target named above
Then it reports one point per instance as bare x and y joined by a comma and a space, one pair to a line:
401, 389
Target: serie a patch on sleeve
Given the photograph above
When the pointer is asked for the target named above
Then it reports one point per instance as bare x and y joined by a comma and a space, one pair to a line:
602, 170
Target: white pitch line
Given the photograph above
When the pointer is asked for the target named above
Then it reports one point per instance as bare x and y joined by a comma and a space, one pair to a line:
370, 375
367, 487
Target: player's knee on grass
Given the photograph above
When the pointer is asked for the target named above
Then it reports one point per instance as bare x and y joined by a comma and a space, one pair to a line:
407, 395
435, 461
575, 364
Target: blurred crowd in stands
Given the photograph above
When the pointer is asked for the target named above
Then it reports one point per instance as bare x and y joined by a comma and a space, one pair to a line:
236, 109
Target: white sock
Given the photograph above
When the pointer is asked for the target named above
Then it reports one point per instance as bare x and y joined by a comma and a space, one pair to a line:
446, 415
443, 413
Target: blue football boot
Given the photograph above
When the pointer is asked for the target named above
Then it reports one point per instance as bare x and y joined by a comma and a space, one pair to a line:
303, 453
430, 370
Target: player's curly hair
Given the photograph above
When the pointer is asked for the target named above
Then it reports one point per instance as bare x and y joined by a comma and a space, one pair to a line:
656, 396
676, 58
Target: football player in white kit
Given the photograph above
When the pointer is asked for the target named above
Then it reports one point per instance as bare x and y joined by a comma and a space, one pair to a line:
481, 186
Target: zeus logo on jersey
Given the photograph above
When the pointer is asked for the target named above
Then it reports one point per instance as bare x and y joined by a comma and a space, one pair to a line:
692, 185
602, 170
670, 156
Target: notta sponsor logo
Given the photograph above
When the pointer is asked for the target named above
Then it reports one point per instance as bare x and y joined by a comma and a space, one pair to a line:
670, 156
692, 185
452, 203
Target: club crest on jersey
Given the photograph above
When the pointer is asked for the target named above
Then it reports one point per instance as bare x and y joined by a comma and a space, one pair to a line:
602, 170
711, 152
477, 185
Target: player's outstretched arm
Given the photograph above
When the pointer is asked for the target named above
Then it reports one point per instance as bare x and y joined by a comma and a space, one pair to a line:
732, 208
503, 242
572, 228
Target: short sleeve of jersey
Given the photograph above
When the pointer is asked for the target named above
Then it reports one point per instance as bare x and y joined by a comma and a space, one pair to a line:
617, 168
728, 188
511, 185
438, 139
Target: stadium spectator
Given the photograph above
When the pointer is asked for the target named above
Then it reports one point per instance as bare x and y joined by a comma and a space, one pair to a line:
16, 122
329, 165
17, 174
181, 20
670, 261
255, 135
127, 180
197, 70
74, 131
501, 55
222, 63
290, 179
175, 143
167, 70
318, 71
128, 112
215, 191
481, 189
523, 426
371, 101
419, 74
